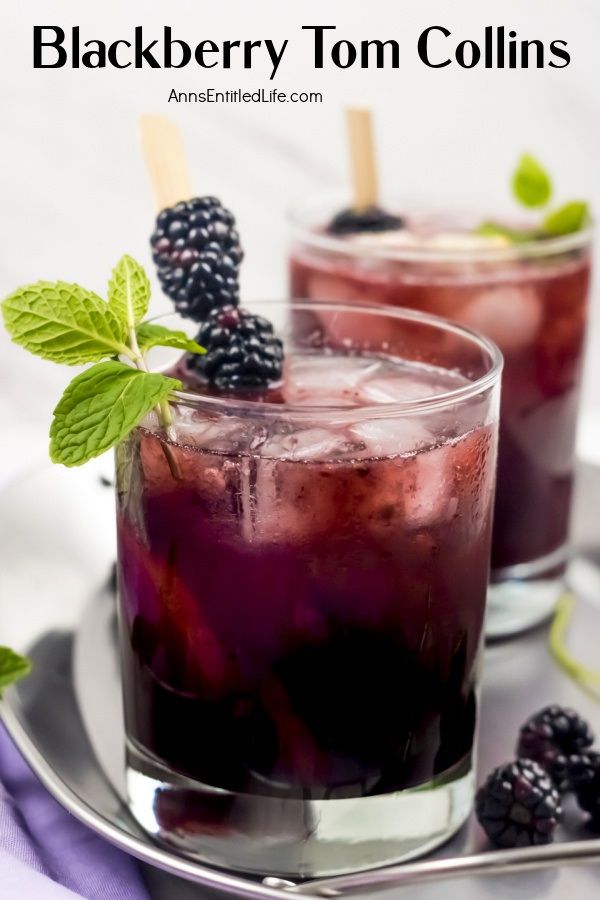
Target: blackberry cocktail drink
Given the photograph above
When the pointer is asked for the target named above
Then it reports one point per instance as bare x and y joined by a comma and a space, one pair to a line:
530, 298
302, 588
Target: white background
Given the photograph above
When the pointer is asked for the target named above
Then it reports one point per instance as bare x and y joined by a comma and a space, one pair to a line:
75, 196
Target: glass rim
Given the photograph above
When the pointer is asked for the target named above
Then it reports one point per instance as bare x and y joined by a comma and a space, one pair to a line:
298, 218
460, 394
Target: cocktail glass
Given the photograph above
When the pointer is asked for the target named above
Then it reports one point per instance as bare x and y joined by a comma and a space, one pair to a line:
302, 578
529, 298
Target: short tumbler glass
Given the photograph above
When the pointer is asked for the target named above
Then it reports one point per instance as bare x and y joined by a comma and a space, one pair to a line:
302, 593
531, 299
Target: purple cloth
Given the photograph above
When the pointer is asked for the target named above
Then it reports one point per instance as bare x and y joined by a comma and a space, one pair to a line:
45, 853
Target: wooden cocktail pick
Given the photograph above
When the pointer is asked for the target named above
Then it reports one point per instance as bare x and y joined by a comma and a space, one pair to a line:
167, 166
166, 160
365, 214
362, 157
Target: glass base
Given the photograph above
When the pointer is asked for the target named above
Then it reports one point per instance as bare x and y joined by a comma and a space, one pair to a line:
523, 596
295, 838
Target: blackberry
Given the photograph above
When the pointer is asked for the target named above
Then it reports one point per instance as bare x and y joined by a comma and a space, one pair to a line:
518, 805
584, 775
551, 736
241, 350
197, 254
373, 219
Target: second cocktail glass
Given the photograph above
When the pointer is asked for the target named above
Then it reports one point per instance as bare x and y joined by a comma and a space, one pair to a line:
531, 299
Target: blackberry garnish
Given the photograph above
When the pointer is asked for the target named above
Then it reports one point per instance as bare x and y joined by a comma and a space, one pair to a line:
518, 805
584, 777
372, 219
551, 736
197, 253
241, 350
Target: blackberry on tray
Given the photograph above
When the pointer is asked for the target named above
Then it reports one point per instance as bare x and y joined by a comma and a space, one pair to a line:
584, 775
518, 805
553, 735
197, 253
242, 350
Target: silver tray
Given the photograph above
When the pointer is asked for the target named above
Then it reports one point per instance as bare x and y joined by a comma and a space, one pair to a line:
56, 552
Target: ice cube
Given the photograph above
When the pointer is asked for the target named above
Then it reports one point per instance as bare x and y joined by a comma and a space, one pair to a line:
327, 380
298, 493
294, 502
405, 494
223, 433
429, 496
391, 436
305, 444
329, 286
204, 459
473, 461
452, 241
399, 389
466, 241
510, 315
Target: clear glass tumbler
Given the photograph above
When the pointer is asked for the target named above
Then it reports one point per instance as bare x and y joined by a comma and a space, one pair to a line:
531, 299
302, 589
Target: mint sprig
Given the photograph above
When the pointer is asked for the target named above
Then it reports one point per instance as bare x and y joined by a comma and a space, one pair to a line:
69, 324
532, 187
531, 183
13, 667
570, 218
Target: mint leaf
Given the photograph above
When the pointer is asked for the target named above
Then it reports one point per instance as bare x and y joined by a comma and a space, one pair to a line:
100, 407
64, 323
514, 235
568, 219
12, 667
129, 291
531, 183
150, 335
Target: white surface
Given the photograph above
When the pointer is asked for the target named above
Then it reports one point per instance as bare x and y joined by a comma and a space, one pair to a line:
75, 195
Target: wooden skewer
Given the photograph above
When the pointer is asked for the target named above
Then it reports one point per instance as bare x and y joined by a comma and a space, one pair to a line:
167, 166
362, 157
166, 160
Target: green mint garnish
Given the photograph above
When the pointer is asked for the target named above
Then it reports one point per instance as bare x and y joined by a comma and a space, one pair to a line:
12, 667
129, 291
69, 324
100, 407
64, 323
150, 335
531, 183
532, 187
570, 218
